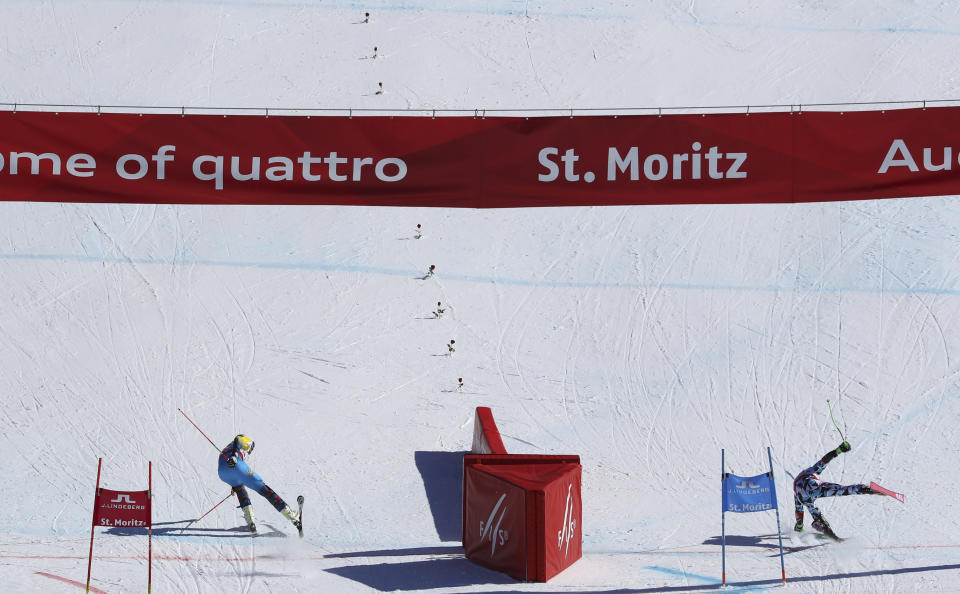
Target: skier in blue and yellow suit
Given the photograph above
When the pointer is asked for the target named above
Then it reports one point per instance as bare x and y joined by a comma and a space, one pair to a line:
234, 471
807, 487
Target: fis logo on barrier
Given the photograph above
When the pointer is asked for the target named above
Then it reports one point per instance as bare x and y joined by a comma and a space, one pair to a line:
565, 534
492, 531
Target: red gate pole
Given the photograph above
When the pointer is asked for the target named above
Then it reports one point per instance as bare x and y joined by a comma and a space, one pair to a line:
149, 526
96, 494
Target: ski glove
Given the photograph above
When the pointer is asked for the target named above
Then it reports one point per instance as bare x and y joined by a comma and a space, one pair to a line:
231, 461
844, 447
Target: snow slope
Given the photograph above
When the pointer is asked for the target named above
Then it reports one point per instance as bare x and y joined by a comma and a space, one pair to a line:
644, 339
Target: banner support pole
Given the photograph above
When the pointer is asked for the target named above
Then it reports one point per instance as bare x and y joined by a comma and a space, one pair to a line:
783, 571
723, 518
96, 493
150, 526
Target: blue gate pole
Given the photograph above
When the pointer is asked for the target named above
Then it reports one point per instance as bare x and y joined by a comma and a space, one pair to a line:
723, 519
783, 571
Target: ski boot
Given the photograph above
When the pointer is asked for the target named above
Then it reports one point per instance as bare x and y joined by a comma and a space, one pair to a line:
822, 526
865, 490
798, 527
248, 516
293, 516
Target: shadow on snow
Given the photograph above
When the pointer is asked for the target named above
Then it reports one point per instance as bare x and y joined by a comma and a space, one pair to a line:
183, 528
441, 473
768, 541
447, 572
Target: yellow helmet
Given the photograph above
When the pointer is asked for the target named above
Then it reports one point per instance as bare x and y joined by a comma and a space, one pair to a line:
244, 443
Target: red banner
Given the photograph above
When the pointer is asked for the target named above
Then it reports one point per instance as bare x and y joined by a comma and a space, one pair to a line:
479, 162
122, 509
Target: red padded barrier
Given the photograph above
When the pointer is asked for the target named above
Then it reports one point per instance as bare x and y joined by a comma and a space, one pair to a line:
486, 436
522, 513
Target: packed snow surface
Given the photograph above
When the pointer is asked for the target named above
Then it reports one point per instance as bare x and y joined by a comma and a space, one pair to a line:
644, 339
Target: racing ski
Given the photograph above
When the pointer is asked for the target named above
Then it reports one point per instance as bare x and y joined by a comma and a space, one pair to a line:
898, 496
300, 515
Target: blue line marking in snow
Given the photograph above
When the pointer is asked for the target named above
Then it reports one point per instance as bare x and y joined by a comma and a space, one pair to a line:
569, 9
343, 267
704, 578
501, 8
921, 411
683, 574
812, 29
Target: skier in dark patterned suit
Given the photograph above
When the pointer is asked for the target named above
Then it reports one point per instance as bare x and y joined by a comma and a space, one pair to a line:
807, 487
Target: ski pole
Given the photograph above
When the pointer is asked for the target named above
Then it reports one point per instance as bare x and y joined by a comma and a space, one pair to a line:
208, 513
210, 440
830, 408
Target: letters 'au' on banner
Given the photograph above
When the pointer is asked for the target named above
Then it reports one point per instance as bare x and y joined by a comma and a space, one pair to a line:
749, 494
479, 162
